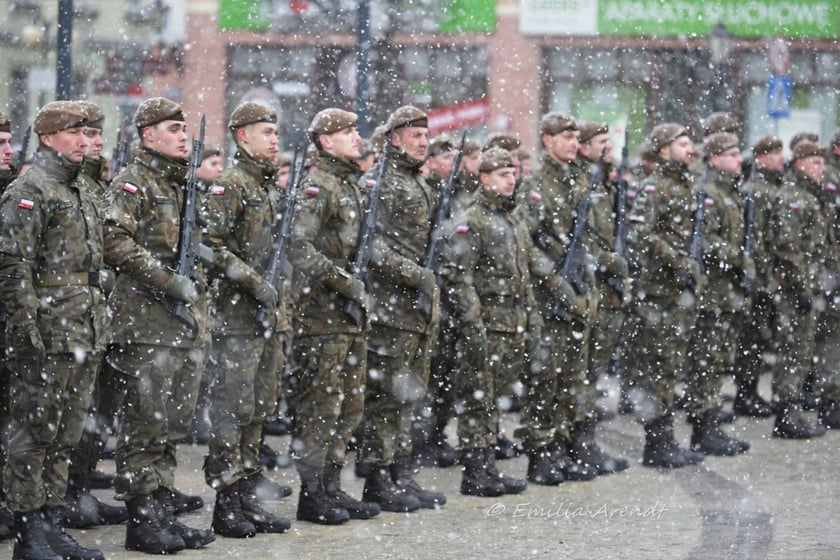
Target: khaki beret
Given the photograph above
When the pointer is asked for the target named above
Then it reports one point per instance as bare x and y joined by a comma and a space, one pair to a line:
330, 121
5, 123
406, 115
95, 115
721, 122
440, 145
719, 142
211, 150
59, 115
555, 123
365, 148
501, 140
805, 149
283, 160
470, 147
664, 134
767, 144
591, 129
157, 109
494, 158
377, 138
251, 112
523, 154
803, 136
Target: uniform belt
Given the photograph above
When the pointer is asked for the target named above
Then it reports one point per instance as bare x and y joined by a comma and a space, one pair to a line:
68, 279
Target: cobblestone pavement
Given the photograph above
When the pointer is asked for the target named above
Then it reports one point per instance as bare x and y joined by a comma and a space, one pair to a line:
778, 501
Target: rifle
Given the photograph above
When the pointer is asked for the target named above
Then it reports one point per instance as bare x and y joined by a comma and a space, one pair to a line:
620, 241
444, 202
188, 241
24, 146
362, 257
281, 230
120, 155
695, 243
749, 222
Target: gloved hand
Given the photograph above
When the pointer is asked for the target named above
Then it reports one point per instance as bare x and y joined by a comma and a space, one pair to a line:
691, 276
354, 290
266, 294
614, 264
29, 350
431, 293
804, 303
473, 343
565, 296
181, 288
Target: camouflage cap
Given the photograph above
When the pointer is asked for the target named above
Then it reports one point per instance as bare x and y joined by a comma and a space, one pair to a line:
663, 135
59, 115
555, 123
501, 140
767, 144
440, 145
803, 136
719, 142
95, 115
5, 123
251, 112
157, 109
806, 149
721, 122
406, 115
330, 121
591, 129
494, 158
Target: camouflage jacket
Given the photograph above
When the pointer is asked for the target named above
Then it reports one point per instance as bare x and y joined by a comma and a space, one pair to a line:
6, 178
485, 267
832, 169
466, 188
142, 225
241, 209
51, 250
323, 242
767, 185
828, 197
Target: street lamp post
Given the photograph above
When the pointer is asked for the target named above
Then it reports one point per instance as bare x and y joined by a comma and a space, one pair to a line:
720, 47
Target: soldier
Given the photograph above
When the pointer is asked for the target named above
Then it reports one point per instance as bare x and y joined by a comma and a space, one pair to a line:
157, 356
7, 172
240, 214
720, 121
367, 155
330, 347
832, 160
485, 272
212, 165
402, 331
50, 256
758, 337
440, 155
668, 285
730, 273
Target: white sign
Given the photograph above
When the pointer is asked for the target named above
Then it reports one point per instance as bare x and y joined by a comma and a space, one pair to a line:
558, 17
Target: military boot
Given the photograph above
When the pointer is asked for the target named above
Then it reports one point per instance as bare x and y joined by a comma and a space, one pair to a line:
340, 499
100, 480
434, 451
314, 505
82, 509
184, 503
64, 544
584, 450
476, 481
792, 424
510, 484
31, 538
541, 468
193, 538
829, 414
662, 450
7, 523
228, 518
506, 449
402, 476
708, 438
252, 509
145, 531
381, 490
572, 471
749, 403
268, 490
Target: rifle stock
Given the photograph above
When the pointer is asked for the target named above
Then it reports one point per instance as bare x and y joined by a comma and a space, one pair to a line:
20, 158
620, 209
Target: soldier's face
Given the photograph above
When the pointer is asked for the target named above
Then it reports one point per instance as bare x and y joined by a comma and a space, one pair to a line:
774, 161
441, 164
680, 150
5, 150
94, 136
168, 138
210, 169
283, 176
469, 163
813, 167
598, 144
563, 146
412, 140
71, 143
501, 181
343, 144
261, 141
729, 161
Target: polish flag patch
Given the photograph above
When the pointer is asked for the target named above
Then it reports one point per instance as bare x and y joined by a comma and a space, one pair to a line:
217, 189
831, 187
26, 204
370, 183
128, 187
708, 201
463, 228
535, 196
650, 188
631, 194
312, 189
795, 206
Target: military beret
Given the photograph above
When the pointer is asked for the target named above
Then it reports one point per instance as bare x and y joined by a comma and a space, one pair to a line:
330, 121
95, 115
767, 144
555, 123
805, 149
664, 134
803, 136
5, 123
366, 148
440, 145
251, 112
283, 160
211, 150
721, 122
377, 139
494, 158
501, 140
470, 147
157, 109
59, 115
406, 115
719, 142
523, 154
591, 129
835, 139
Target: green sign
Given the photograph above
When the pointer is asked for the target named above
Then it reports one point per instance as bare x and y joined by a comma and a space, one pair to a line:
814, 19
467, 15
244, 14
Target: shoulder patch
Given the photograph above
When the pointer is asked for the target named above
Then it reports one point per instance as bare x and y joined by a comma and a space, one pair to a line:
463, 228
757, 194
312, 190
27, 204
831, 187
535, 196
709, 201
631, 194
128, 187
794, 205
649, 188
370, 183
217, 189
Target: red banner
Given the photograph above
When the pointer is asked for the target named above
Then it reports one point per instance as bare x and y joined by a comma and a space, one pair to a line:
462, 115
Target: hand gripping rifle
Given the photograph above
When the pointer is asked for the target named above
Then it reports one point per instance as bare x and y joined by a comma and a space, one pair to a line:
695, 243
120, 155
620, 241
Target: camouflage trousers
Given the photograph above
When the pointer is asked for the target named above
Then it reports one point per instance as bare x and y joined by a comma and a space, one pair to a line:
47, 408
105, 404
243, 393
327, 394
796, 334
605, 333
828, 352
160, 387
758, 340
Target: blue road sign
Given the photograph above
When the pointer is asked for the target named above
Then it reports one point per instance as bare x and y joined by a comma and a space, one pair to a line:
779, 97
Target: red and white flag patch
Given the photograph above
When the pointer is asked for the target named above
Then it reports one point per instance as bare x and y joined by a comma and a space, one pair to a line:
463, 228
27, 204
370, 183
709, 201
217, 189
128, 187
535, 196
650, 188
312, 190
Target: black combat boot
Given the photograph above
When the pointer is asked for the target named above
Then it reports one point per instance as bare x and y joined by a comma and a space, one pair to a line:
145, 531
476, 481
829, 415
252, 509
434, 451
31, 538
381, 490
200, 430
584, 450
708, 438
82, 509
792, 424
662, 450
7, 523
64, 544
184, 503
510, 484
572, 471
277, 425
313, 503
402, 476
340, 499
506, 449
749, 403
100, 480
541, 468
268, 490
193, 538
228, 519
